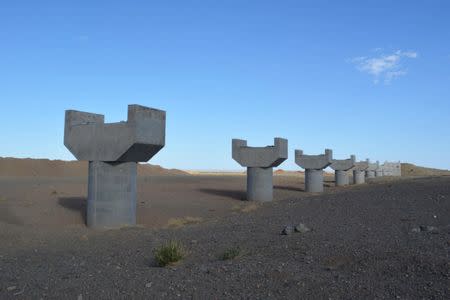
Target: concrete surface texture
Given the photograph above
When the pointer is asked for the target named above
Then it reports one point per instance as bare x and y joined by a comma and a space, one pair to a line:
314, 165
111, 194
113, 151
371, 169
261, 157
359, 172
138, 139
379, 171
260, 162
340, 167
391, 168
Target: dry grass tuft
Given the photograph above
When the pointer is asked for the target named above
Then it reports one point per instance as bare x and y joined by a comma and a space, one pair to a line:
245, 207
231, 253
169, 254
178, 222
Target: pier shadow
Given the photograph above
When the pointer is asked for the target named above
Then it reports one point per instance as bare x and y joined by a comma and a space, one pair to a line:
75, 203
7, 216
288, 188
235, 194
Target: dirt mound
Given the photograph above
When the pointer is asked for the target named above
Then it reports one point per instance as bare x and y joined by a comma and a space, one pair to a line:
279, 172
413, 170
15, 167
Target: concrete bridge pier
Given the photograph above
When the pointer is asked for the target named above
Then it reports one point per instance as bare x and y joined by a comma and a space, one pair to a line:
314, 165
260, 162
113, 151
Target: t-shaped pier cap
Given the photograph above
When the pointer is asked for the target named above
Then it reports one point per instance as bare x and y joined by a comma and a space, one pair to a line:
260, 162
262, 157
113, 151
340, 167
88, 137
371, 169
359, 171
314, 165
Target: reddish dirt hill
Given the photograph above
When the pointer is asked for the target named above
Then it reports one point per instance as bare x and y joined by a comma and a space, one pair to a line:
15, 167
413, 170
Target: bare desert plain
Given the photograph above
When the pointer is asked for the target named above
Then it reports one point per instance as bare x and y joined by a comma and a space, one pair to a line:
387, 239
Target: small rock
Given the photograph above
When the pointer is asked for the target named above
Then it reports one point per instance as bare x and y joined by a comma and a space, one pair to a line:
80, 297
149, 285
429, 228
302, 228
416, 229
287, 230
11, 288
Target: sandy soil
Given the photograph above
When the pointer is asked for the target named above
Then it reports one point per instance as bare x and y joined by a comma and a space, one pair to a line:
363, 245
363, 242
47, 202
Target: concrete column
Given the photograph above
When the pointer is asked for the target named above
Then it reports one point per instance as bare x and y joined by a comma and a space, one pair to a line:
259, 184
358, 177
340, 167
259, 162
113, 150
313, 181
314, 165
341, 178
111, 194
370, 174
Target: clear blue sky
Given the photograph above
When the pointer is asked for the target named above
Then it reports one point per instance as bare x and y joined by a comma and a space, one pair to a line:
365, 77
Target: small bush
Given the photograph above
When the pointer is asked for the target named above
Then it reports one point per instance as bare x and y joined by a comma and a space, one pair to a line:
178, 222
231, 253
169, 253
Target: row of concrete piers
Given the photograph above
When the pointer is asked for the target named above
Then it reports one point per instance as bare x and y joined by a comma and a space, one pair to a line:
260, 162
114, 149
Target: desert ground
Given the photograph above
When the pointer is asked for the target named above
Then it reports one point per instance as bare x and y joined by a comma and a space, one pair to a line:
387, 239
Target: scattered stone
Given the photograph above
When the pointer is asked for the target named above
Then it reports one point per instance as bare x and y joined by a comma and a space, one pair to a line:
80, 297
11, 288
423, 228
429, 228
149, 285
302, 228
287, 230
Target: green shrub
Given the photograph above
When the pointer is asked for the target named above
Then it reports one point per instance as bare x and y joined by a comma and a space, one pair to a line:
231, 253
169, 253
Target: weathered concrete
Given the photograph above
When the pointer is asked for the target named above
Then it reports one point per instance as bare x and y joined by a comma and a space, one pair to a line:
259, 184
340, 167
113, 151
371, 169
392, 169
88, 137
260, 162
379, 171
314, 165
111, 194
359, 172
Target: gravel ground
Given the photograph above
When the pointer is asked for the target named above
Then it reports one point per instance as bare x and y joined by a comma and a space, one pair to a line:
365, 243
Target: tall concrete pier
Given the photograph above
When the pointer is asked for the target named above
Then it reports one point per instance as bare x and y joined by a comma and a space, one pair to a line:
314, 165
379, 170
113, 151
260, 162
340, 167
371, 169
359, 172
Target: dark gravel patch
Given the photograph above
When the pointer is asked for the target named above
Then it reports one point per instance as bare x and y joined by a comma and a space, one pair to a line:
361, 246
